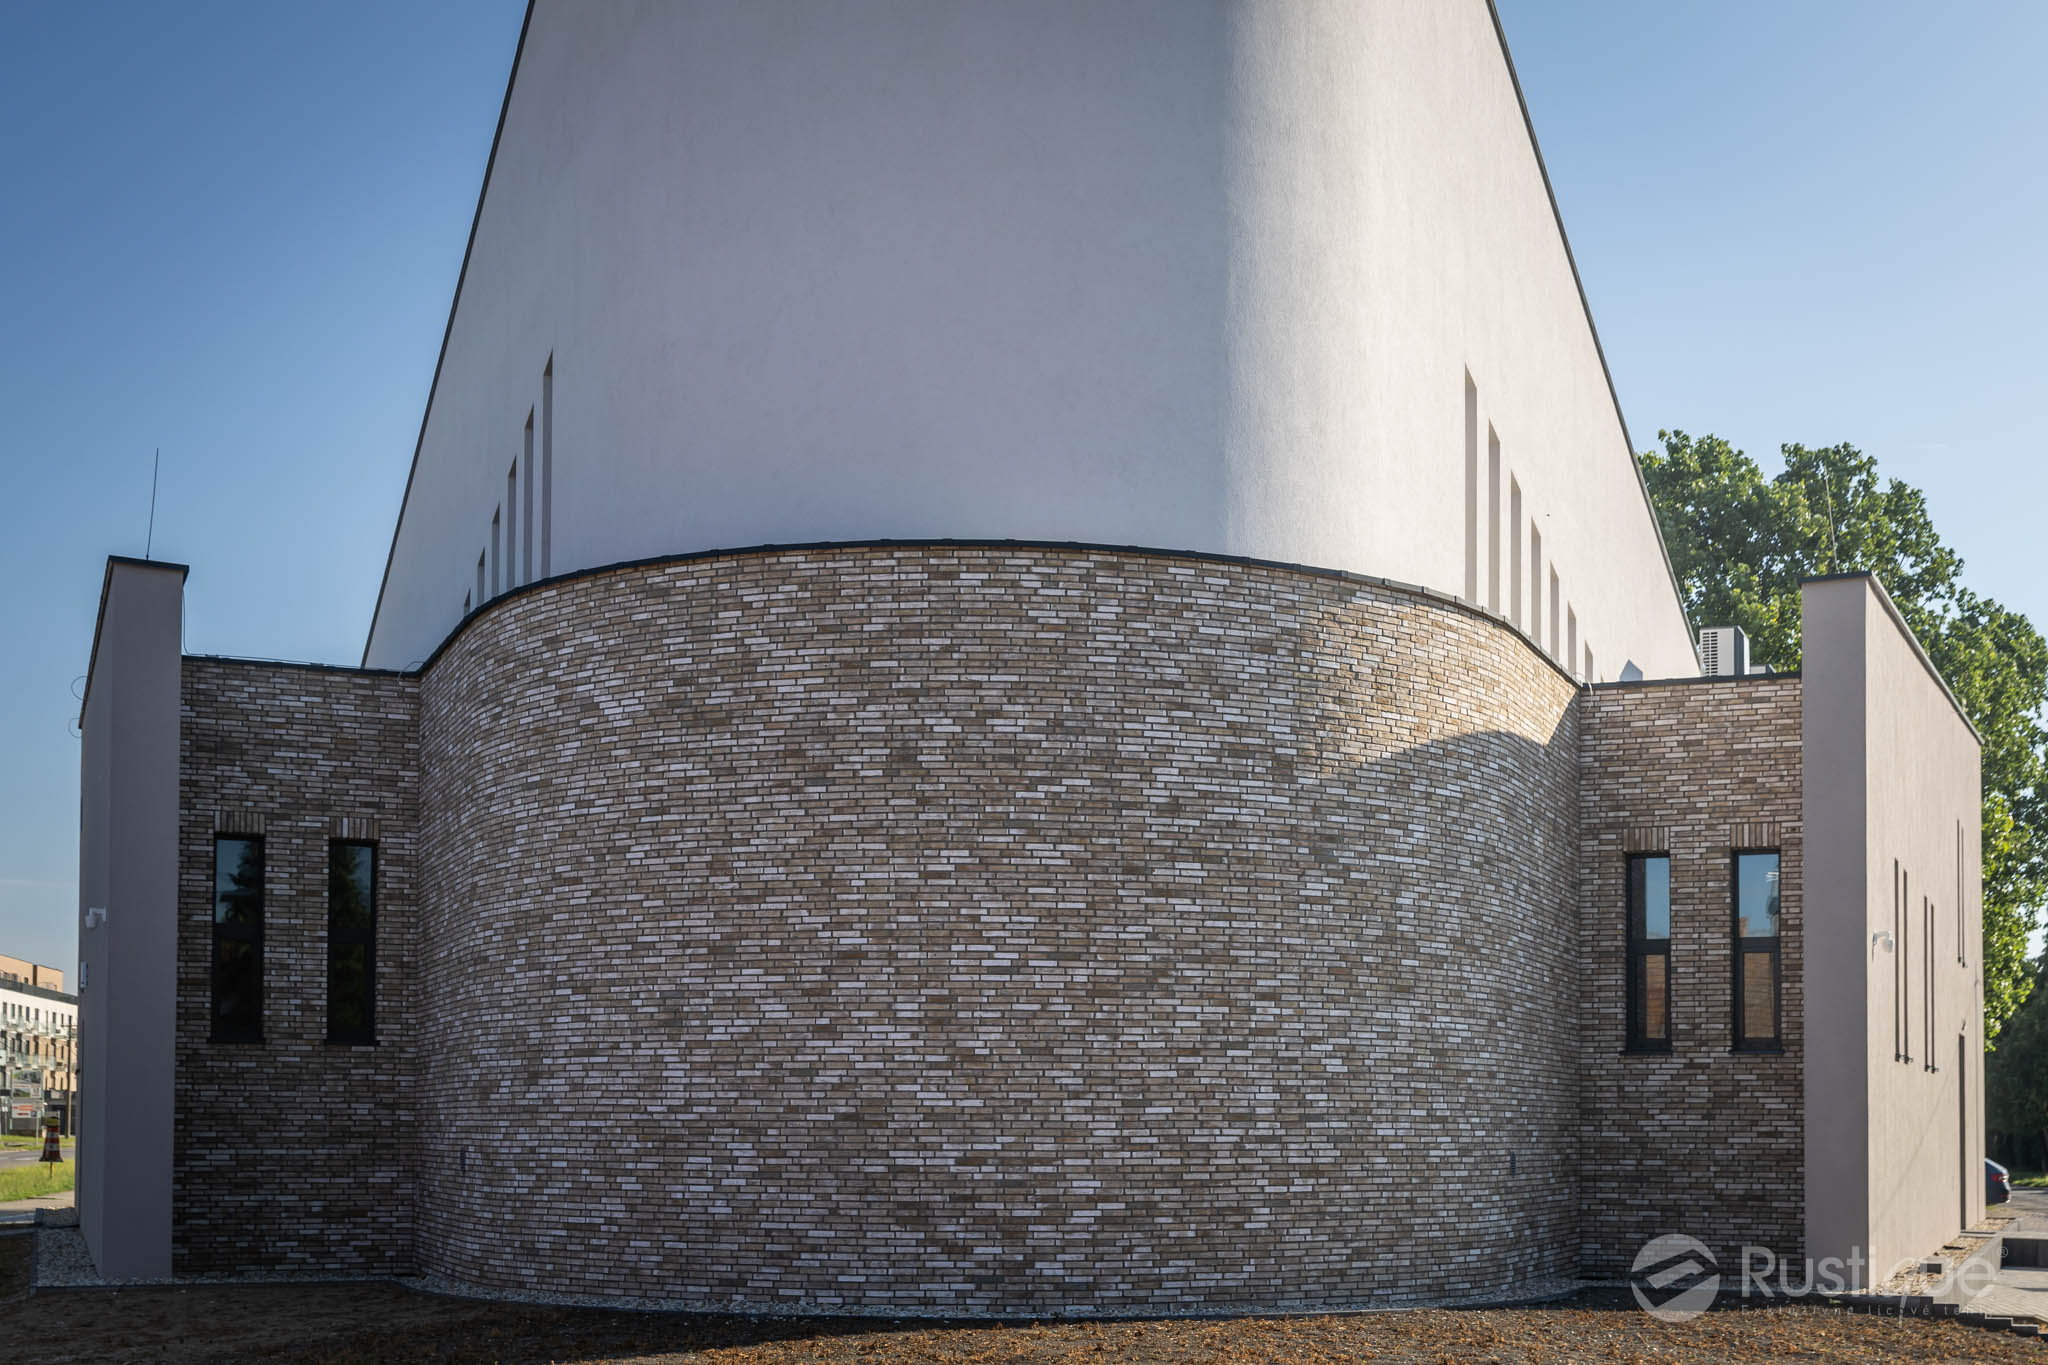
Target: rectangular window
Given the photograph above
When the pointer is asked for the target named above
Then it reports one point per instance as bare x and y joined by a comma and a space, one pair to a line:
351, 942
1536, 585
512, 527
1961, 958
480, 598
1927, 978
1515, 551
1757, 979
532, 496
1590, 676
497, 551
237, 939
1571, 637
1905, 969
1649, 952
1492, 522
547, 469
1556, 595
1898, 968
1471, 491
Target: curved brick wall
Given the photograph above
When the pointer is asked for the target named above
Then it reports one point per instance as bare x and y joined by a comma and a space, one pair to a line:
951, 928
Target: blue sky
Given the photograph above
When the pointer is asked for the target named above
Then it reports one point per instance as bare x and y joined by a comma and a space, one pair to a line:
232, 231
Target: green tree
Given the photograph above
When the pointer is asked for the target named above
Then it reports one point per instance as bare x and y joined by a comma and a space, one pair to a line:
1741, 543
2016, 1075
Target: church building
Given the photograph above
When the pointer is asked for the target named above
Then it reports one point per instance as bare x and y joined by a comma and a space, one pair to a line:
1024, 670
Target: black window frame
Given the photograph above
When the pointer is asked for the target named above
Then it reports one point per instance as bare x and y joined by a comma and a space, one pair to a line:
1741, 947
251, 1030
340, 937
1639, 953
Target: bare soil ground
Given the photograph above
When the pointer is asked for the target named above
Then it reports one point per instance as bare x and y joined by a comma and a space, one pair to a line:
345, 1324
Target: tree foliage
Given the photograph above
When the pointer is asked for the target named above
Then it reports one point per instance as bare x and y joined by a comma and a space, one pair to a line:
2016, 1076
1741, 543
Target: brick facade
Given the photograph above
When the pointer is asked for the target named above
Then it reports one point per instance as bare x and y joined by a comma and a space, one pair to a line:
295, 1154
959, 928
1700, 1140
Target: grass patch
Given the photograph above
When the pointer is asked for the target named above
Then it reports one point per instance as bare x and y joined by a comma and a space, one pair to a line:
20, 1140
26, 1182
2030, 1180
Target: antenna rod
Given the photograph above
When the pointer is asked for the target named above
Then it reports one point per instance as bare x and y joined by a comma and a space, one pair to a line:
150, 540
1834, 553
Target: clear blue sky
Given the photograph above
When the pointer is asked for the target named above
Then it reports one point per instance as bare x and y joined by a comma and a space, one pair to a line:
232, 231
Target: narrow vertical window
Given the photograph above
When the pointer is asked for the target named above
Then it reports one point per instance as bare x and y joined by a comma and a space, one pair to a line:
1590, 675
1905, 972
496, 551
1961, 958
1649, 952
1556, 595
1898, 968
547, 469
1927, 981
351, 942
1492, 522
480, 579
1571, 637
1535, 584
1515, 551
1471, 491
512, 579
465, 604
238, 939
1757, 983
532, 491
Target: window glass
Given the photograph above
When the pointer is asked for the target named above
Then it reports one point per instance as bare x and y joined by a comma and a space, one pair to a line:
238, 881
1756, 945
1654, 896
237, 976
1651, 985
351, 942
1756, 894
349, 886
1649, 952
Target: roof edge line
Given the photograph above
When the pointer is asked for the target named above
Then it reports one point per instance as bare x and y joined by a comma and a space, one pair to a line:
1899, 620
1415, 590
1585, 306
99, 623
469, 247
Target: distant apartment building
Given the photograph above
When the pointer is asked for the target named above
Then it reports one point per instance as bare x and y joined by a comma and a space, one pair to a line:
1024, 669
38, 1045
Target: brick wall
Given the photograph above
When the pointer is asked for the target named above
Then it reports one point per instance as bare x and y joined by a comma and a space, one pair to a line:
996, 928
1701, 1140
295, 1155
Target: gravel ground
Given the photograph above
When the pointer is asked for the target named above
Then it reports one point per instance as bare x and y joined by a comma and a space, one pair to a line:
348, 1324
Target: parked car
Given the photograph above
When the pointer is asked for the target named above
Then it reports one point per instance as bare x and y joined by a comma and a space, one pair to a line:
1997, 1183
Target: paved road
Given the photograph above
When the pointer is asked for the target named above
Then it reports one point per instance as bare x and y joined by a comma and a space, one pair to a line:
15, 1156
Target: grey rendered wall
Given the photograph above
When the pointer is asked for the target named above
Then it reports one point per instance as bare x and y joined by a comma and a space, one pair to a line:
128, 865
1194, 274
1895, 1127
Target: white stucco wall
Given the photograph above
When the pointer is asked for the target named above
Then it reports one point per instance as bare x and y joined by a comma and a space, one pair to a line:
1193, 274
1894, 1149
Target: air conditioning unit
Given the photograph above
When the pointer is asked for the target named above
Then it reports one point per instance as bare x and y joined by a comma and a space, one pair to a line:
1724, 652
